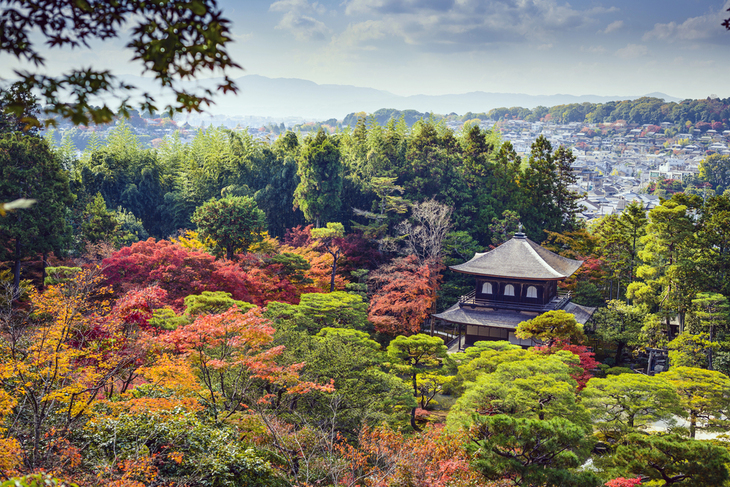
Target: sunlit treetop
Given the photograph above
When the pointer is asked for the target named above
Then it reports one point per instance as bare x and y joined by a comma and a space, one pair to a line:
174, 40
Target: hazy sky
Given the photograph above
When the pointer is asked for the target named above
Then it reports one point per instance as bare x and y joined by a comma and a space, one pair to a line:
606, 47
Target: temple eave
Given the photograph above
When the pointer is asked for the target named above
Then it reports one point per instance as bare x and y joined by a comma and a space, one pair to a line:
512, 276
503, 318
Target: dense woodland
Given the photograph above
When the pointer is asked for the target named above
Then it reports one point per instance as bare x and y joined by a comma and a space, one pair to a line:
231, 312
644, 110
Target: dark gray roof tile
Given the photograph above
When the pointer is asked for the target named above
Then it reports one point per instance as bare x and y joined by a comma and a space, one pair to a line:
503, 318
497, 319
520, 258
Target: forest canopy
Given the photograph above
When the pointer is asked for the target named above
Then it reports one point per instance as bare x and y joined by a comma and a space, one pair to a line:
231, 311
644, 110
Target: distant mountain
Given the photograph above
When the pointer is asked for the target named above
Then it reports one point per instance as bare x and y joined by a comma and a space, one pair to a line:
291, 97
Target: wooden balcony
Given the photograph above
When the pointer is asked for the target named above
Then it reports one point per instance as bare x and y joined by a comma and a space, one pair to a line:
556, 303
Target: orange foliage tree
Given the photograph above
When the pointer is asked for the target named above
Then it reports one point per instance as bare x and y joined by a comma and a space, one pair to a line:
356, 252
384, 457
54, 363
233, 359
319, 273
137, 306
402, 293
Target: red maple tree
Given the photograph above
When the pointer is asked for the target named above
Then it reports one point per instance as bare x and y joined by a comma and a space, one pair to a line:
182, 271
402, 295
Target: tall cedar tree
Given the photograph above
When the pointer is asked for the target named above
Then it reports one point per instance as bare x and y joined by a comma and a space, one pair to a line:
669, 257
620, 242
28, 169
97, 222
551, 205
319, 192
714, 244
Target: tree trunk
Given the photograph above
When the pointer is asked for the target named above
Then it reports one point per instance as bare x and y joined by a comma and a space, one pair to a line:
619, 353
669, 328
413, 420
709, 350
681, 322
413, 409
610, 289
44, 264
16, 269
692, 424
335, 256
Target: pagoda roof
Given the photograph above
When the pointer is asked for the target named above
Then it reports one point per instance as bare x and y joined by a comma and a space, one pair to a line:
503, 318
520, 258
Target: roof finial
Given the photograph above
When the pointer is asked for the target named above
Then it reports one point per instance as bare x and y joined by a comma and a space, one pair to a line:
519, 233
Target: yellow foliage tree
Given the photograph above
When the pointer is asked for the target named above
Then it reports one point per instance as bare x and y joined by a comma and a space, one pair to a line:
55, 361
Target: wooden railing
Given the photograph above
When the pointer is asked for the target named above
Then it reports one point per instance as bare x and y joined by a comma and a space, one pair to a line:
557, 302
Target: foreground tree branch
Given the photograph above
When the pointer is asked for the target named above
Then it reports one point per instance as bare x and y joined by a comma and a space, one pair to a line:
173, 40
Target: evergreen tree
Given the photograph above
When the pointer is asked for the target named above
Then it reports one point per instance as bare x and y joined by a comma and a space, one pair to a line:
28, 169
669, 269
97, 222
620, 243
551, 205
672, 459
713, 245
532, 452
413, 355
319, 192
233, 223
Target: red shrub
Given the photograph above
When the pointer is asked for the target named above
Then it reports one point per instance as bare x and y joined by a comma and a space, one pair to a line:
181, 272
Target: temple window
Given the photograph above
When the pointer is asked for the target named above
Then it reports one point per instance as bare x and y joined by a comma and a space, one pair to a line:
487, 288
531, 292
509, 290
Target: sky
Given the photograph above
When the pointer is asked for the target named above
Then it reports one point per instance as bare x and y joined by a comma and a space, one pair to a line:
433, 47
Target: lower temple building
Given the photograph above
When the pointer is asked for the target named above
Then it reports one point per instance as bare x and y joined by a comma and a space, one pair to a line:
514, 283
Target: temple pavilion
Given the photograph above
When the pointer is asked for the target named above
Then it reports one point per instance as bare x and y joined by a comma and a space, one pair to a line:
513, 283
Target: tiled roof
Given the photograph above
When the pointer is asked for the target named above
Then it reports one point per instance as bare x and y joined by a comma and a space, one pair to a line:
520, 258
504, 318
582, 313
484, 317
